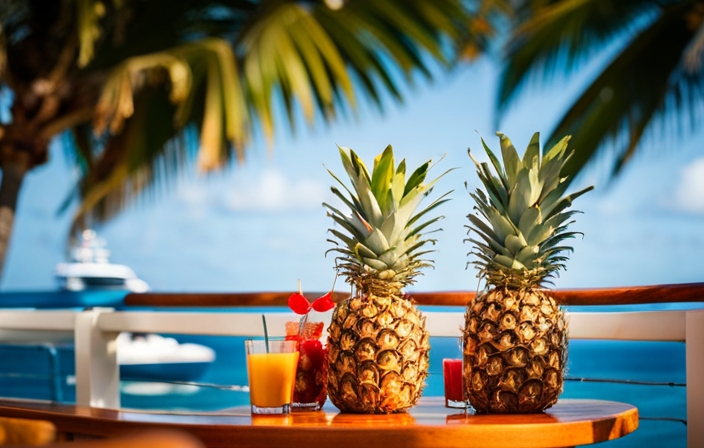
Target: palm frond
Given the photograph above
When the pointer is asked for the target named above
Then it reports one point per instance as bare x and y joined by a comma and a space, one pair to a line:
631, 93
88, 13
146, 156
555, 36
694, 56
484, 21
288, 49
309, 54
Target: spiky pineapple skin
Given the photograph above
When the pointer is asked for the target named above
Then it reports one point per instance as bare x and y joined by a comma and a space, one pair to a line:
515, 351
377, 354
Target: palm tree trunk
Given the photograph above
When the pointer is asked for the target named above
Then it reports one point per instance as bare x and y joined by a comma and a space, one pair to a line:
12, 177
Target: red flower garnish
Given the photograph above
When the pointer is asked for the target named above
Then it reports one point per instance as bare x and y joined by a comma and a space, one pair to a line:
323, 304
298, 303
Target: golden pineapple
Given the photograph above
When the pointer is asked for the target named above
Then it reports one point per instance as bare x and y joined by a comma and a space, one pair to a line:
377, 342
515, 336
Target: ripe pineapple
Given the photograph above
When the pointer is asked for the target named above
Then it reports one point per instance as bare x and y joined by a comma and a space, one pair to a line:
377, 342
515, 336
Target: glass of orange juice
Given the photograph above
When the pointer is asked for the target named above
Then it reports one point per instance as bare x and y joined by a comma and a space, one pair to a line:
272, 375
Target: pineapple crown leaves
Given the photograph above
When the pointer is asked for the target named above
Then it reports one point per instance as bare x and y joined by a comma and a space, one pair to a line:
380, 240
522, 218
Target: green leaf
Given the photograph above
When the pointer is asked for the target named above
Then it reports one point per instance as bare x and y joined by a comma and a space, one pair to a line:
481, 225
548, 246
354, 206
382, 175
499, 196
376, 264
370, 205
346, 156
377, 242
439, 201
417, 246
415, 231
550, 175
486, 250
398, 185
520, 196
530, 218
531, 158
501, 226
557, 219
514, 244
391, 227
389, 257
361, 169
87, 29
557, 151
504, 261
352, 229
349, 242
512, 163
416, 178
566, 202
527, 255
497, 165
363, 251
539, 234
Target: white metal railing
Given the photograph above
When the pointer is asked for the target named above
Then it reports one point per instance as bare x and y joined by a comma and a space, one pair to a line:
95, 332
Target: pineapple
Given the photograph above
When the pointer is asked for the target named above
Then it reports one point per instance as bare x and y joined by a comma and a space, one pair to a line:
377, 342
515, 336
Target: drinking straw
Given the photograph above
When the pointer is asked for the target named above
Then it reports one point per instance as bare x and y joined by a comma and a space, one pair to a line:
266, 334
304, 319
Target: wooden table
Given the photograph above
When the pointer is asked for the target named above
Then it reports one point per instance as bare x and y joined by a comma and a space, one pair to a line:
430, 424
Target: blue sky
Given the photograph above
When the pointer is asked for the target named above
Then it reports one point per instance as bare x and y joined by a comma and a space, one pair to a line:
261, 226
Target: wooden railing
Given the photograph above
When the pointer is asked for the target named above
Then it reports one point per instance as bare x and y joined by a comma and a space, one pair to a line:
95, 331
634, 295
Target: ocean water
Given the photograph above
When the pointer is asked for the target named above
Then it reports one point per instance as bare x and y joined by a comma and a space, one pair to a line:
46, 372
641, 361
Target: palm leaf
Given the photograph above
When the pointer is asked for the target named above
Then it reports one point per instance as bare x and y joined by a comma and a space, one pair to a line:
217, 69
645, 83
618, 104
557, 36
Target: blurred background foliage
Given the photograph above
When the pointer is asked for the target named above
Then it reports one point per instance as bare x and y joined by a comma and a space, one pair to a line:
144, 87
653, 82
141, 89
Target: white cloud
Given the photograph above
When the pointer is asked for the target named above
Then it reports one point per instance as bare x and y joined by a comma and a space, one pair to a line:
689, 192
273, 191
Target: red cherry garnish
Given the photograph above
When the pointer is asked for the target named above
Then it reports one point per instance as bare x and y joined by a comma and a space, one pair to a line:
324, 303
298, 303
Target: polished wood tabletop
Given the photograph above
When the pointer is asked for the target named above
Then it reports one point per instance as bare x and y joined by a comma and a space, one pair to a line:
430, 424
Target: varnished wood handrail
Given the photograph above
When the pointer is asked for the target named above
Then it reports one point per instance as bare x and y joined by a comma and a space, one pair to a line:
633, 295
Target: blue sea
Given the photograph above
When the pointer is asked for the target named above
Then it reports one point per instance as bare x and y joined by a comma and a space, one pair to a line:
46, 371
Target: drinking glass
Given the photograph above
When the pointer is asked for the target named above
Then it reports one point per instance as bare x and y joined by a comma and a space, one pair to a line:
271, 375
310, 391
454, 384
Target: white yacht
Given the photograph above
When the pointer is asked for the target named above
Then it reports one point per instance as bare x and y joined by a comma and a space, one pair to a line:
90, 268
141, 356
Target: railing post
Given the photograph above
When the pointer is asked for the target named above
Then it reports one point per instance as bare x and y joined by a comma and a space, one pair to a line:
97, 371
695, 378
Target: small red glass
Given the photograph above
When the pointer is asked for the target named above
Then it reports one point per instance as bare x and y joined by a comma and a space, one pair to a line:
310, 390
454, 383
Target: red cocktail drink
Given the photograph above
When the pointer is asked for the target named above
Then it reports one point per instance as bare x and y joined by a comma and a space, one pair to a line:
454, 390
310, 390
